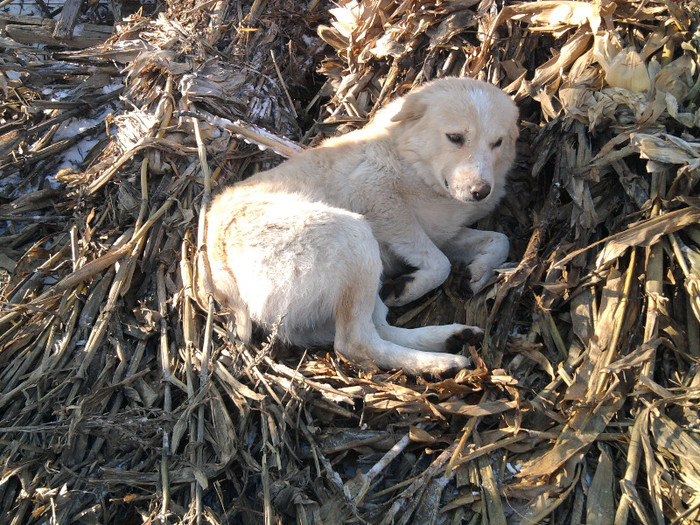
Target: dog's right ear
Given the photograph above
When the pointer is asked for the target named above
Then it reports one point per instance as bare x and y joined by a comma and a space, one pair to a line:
412, 109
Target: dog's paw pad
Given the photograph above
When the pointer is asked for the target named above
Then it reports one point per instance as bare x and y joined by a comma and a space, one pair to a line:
471, 336
444, 373
454, 344
395, 287
450, 372
461, 268
463, 279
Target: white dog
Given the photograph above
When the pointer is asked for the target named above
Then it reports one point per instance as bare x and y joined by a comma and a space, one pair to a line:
306, 244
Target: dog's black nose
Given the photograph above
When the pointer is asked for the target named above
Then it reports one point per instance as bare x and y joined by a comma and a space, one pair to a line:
480, 191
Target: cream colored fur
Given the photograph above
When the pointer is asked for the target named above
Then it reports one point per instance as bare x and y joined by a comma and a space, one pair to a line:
306, 244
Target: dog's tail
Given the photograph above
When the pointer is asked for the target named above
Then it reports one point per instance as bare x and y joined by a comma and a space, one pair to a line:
203, 284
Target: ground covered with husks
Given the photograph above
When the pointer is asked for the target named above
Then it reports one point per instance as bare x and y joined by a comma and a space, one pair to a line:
122, 400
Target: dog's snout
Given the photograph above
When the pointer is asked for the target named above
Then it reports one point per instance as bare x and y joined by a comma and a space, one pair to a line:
480, 191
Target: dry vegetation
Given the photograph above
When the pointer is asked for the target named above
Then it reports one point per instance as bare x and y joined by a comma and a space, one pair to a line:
122, 400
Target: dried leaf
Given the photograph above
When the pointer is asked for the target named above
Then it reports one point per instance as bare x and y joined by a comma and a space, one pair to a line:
601, 496
581, 431
644, 233
623, 66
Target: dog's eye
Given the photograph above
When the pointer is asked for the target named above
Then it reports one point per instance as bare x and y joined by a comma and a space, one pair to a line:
455, 138
497, 144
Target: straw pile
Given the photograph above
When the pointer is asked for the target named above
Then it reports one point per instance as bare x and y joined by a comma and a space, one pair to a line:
121, 400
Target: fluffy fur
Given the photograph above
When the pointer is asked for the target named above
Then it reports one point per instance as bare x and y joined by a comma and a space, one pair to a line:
306, 244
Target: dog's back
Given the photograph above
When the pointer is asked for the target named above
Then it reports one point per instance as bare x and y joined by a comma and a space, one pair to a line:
262, 245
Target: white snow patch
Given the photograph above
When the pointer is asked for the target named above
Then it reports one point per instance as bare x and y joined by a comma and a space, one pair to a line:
514, 469
12, 180
30, 7
74, 126
60, 94
74, 156
53, 183
112, 87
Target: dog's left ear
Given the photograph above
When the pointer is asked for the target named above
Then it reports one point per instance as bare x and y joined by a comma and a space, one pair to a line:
514, 131
412, 109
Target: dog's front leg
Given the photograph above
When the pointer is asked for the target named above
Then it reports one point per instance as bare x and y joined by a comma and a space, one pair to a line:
479, 252
431, 267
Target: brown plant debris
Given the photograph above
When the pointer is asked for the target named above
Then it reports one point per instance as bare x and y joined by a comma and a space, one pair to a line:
122, 400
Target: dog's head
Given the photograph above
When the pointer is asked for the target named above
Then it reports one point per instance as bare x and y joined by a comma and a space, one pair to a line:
462, 132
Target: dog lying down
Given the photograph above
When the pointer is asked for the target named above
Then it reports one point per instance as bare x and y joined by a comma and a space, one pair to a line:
306, 244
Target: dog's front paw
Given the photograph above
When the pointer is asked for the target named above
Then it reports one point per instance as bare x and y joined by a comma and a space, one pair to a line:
470, 279
392, 289
462, 279
471, 335
479, 276
492, 251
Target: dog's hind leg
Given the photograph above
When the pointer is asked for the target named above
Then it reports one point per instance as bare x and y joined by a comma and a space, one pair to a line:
357, 338
442, 338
